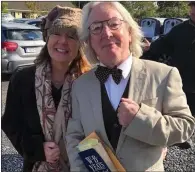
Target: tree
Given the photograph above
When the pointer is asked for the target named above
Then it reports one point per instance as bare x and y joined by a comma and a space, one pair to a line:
33, 6
140, 9
172, 8
79, 4
4, 6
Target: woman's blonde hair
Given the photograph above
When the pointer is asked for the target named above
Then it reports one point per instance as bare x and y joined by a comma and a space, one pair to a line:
136, 33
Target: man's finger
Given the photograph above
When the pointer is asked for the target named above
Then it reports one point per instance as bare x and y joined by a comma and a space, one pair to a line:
123, 104
126, 100
50, 144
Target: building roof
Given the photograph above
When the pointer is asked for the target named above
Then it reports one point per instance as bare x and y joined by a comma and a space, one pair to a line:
20, 6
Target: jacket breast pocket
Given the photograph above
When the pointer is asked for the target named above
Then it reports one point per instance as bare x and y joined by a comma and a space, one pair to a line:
150, 102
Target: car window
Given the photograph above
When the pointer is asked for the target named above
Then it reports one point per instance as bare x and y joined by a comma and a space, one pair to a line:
27, 34
19, 21
35, 23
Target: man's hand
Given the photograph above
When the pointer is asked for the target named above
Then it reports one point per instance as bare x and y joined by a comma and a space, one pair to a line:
52, 152
127, 111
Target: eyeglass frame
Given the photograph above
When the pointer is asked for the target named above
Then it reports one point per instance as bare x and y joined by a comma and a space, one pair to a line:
105, 21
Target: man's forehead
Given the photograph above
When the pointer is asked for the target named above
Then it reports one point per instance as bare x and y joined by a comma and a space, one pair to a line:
102, 12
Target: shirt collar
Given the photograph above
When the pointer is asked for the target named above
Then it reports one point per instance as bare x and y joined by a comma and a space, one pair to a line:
125, 66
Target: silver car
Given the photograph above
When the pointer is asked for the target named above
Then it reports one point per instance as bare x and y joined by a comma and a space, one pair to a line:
20, 45
34, 22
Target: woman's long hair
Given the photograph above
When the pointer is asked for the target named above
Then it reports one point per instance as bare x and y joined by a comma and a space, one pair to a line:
80, 63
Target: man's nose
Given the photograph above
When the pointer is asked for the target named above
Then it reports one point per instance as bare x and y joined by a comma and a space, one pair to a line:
106, 31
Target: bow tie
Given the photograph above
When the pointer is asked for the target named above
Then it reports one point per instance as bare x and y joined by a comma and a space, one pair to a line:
102, 73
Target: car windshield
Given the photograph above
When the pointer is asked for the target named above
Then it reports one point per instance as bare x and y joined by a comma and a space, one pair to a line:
27, 34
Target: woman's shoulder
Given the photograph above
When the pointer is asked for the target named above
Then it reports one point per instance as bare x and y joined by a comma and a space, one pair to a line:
23, 75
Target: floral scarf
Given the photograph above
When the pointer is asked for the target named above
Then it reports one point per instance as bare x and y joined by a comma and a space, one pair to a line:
53, 121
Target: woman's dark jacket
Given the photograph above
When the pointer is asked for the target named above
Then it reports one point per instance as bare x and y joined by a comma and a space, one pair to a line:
21, 122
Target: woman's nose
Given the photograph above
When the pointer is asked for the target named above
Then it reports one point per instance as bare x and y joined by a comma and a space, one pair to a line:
63, 39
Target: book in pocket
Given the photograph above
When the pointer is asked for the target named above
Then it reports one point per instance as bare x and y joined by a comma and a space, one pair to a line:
97, 156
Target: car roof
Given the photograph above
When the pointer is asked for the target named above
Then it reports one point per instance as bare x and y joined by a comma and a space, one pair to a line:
12, 25
33, 20
24, 19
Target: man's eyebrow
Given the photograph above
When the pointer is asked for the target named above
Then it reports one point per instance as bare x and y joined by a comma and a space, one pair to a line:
97, 21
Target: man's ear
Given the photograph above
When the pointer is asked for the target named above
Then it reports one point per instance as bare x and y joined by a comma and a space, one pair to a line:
130, 30
130, 35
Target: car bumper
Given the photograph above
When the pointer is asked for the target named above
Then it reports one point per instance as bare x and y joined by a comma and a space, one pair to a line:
8, 67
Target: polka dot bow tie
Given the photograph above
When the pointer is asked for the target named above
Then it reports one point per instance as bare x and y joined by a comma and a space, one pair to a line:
102, 73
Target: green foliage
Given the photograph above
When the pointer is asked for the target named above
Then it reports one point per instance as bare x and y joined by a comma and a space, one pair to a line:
140, 9
167, 9
173, 8
79, 4
4, 6
33, 6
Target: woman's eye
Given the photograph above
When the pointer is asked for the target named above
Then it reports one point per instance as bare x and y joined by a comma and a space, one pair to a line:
72, 36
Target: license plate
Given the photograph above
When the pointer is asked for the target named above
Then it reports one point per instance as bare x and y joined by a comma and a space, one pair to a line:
31, 50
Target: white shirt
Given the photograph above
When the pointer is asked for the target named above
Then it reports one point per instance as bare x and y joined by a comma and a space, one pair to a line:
115, 91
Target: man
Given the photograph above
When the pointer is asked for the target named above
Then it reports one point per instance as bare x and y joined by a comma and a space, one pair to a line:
137, 107
179, 44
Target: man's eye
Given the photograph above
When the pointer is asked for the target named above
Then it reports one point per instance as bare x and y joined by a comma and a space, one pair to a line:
115, 24
96, 27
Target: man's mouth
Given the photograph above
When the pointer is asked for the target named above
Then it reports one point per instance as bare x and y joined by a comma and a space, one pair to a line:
109, 44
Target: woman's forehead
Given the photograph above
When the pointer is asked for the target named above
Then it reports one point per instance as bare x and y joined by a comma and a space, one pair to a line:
103, 12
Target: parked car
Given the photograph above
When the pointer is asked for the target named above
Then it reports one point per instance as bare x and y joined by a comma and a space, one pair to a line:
6, 17
34, 22
21, 20
20, 44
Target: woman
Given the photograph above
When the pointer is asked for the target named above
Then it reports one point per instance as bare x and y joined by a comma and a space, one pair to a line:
38, 99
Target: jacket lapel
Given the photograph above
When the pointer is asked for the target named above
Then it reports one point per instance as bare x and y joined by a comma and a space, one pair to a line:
136, 89
95, 99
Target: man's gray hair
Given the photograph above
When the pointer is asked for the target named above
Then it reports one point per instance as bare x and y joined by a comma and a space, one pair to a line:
136, 33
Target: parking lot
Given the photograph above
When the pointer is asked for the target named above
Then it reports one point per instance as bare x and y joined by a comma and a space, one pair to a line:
176, 160
10, 160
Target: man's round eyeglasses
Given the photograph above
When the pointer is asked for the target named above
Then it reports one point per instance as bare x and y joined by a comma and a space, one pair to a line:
97, 27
